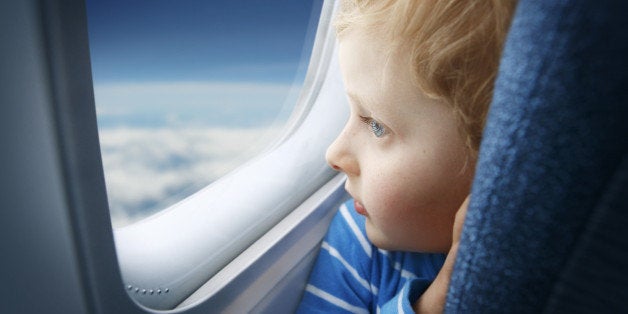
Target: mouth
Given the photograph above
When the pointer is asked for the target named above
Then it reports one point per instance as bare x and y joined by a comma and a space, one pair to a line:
359, 208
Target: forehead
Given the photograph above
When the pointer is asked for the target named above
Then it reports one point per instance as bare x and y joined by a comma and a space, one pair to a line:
366, 61
376, 74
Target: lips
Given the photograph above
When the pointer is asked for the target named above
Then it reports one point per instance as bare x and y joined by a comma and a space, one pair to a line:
359, 208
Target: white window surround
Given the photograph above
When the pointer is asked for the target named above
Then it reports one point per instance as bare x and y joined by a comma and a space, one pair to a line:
167, 257
270, 276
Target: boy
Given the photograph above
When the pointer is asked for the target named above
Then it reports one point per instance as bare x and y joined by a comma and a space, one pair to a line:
419, 76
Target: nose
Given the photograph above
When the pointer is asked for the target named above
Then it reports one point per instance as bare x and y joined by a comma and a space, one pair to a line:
341, 155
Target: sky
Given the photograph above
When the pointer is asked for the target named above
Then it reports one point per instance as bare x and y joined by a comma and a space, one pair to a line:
187, 90
156, 40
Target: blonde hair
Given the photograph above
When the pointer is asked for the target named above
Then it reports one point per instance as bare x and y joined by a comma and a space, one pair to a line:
455, 46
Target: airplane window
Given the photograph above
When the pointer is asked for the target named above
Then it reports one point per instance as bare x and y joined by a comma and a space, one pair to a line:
195, 92
187, 91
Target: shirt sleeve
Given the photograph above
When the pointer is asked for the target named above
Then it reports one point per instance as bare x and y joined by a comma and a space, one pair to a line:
402, 302
339, 281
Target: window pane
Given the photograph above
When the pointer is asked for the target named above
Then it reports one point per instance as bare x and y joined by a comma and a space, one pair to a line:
188, 90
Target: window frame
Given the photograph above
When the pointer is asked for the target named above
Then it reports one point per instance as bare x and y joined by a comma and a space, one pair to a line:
179, 228
63, 175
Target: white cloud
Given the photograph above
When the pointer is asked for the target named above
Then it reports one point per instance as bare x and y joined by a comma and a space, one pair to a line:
151, 162
200, 104
128, 97
148, 169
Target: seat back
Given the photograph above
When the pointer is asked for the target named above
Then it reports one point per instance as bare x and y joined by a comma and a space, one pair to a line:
547, 226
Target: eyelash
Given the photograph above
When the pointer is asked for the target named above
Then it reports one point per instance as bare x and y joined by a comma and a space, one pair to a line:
376, 127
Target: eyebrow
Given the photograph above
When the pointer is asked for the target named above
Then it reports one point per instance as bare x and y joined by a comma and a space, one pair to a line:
368, 104
361, 101
378, 112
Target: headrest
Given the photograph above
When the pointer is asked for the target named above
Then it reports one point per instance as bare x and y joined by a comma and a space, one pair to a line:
547, 226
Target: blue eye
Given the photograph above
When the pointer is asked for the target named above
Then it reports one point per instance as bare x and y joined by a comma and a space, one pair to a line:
377, 128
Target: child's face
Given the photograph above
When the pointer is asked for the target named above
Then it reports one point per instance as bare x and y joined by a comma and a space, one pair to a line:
406, 170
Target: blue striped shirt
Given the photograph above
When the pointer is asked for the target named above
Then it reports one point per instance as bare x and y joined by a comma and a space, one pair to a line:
351, 275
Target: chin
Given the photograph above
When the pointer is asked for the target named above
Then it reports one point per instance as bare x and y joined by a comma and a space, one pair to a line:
380, 240
384, 243
385, 246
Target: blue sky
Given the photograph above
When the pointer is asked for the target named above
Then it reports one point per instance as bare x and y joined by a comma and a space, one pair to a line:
165, 40
155, 62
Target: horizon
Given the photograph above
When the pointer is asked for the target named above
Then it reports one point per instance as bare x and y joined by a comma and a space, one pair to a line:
185, 94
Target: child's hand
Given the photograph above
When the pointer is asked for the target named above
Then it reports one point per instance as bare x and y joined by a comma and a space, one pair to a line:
433, 299
459, 221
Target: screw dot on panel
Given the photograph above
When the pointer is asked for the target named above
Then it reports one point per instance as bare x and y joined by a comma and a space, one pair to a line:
147, 291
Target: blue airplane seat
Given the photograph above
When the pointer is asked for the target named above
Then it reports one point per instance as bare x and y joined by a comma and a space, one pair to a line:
547, 226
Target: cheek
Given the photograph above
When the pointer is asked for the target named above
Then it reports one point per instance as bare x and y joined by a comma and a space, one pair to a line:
392, 192
399, 179
408, 191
